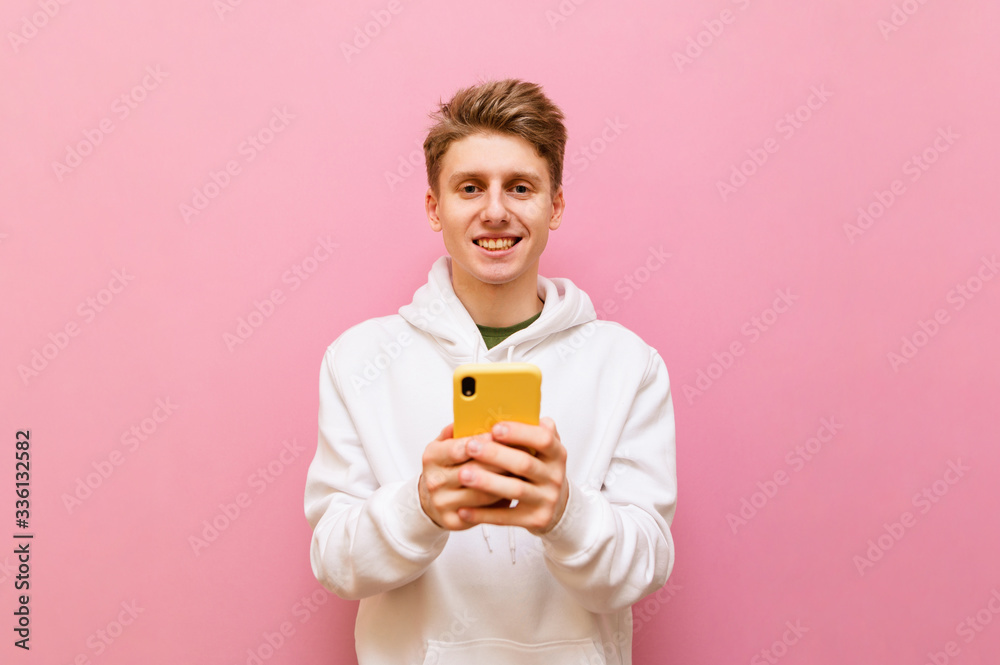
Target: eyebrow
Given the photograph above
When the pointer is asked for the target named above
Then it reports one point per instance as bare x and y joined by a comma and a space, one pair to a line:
459, 176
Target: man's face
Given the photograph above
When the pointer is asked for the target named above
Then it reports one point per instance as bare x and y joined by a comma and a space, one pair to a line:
494, 186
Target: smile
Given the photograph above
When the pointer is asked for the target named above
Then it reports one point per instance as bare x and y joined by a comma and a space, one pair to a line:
497, 244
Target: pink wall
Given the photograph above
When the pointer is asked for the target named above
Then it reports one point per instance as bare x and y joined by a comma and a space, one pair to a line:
778, 312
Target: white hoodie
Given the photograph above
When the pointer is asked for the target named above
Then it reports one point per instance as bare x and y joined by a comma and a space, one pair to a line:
492, 594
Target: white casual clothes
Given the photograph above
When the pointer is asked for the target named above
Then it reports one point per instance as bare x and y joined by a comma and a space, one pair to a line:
492, 594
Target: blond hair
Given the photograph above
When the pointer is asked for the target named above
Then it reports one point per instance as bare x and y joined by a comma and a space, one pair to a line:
510, 106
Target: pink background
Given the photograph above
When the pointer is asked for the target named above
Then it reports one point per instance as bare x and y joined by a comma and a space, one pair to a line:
653, 183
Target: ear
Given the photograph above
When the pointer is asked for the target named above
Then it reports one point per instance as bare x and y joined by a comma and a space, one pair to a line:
431, 205
558, 206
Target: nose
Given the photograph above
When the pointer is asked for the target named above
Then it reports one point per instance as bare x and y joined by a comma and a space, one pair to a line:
494, 209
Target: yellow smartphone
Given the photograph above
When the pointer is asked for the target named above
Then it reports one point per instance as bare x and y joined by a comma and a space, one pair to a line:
486, 393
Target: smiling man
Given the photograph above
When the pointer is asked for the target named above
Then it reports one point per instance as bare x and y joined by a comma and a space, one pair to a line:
392, 497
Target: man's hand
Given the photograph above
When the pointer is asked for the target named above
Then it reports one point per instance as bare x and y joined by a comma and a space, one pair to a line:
441, 492
538, 482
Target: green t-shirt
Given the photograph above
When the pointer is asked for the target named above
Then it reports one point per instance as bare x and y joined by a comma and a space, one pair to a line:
493, 336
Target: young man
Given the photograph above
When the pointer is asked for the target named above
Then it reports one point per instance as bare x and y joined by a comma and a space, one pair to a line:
393, 498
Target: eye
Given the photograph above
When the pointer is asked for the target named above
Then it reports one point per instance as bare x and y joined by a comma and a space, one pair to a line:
520, 189
469, 189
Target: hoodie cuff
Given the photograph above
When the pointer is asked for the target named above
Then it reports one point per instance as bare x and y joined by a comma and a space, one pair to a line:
578, 529
406, 521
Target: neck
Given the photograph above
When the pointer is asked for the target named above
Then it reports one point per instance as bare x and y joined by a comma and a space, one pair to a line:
498, 305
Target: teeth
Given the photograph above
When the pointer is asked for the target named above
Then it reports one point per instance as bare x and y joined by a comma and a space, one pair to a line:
490, 243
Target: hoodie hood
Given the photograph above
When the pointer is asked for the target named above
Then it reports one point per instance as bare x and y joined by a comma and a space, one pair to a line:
437, 311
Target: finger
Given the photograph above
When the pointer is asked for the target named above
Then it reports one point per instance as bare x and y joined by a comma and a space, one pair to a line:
471, 443
452, 500
542, 438
516, 516
459, 451
531, 518
444, 450
446, 478
508, 487
449, 452
438, 455
512, 461
478, 464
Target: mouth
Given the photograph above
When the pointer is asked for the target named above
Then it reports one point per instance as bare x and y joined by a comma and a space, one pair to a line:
496, 244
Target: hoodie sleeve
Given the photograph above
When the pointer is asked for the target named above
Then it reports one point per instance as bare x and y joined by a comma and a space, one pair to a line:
613, 546
367, 538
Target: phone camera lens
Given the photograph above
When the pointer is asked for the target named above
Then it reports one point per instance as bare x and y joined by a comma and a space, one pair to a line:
468, 386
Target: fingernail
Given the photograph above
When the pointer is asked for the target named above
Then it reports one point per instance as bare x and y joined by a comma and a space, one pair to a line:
475, 445
499, 430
